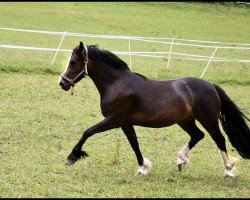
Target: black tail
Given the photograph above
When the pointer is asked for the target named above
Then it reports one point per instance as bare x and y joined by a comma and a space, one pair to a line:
234, 124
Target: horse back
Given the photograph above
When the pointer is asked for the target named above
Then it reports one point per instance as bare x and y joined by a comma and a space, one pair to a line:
153, 103
159, 103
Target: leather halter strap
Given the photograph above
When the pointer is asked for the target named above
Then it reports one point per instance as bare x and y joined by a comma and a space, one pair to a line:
83, 71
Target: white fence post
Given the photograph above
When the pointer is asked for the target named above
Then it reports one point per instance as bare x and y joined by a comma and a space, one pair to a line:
58, 48
208, 62
130, 64
170, 51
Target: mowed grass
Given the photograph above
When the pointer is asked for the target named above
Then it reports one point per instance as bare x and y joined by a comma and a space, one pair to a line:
40, 123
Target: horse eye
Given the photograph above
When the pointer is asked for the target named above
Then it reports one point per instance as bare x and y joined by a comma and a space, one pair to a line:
72, 62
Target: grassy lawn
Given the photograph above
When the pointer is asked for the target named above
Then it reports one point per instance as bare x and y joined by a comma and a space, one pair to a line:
40, 123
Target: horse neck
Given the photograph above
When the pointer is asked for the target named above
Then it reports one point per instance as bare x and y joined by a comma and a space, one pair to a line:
103, 76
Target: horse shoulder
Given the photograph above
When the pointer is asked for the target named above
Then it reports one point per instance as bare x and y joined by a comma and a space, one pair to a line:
117, 100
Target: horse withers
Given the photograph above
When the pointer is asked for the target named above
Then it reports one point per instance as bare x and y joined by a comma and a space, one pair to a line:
129, 99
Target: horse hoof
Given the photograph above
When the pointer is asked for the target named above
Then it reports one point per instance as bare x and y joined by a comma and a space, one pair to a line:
228, 176
70, 162
140, 174
145, 168
229, 173
182, 160
180, 167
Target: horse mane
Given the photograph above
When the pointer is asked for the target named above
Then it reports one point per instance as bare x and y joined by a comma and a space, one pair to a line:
107, 57
141, 75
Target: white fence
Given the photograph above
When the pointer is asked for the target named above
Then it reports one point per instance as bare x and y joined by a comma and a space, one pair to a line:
169, 55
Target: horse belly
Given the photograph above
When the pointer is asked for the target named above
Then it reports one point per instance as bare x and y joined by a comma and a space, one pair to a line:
163, 115
153, 123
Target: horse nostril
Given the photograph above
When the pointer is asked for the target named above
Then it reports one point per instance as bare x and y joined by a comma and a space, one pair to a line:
61, 84
64, 85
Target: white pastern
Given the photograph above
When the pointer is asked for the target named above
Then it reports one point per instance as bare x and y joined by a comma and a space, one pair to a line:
229, 163
182, 158
145, 168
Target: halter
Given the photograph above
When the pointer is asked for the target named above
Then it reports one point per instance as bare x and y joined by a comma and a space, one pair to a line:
84, 70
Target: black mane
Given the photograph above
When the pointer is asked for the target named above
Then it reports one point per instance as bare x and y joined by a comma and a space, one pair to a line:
94, 53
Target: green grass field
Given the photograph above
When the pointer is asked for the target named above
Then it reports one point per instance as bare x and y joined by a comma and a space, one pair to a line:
40, 123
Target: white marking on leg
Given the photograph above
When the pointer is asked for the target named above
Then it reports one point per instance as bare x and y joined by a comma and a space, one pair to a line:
182, 158
145, 168
229, 163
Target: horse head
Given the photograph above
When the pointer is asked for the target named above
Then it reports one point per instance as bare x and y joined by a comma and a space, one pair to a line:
76, 68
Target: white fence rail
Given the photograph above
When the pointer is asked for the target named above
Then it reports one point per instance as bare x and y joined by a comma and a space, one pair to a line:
169, 55
135, 53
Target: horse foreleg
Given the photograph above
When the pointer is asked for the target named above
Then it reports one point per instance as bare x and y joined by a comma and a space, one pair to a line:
144, 164
77, 153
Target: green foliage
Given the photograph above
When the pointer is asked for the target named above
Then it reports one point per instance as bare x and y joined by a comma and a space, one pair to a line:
40, 123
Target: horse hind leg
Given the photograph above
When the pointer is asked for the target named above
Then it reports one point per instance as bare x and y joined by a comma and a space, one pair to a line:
207, 113
229, 162
196, 135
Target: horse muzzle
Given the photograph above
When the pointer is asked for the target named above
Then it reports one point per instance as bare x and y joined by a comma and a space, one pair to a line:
65, 86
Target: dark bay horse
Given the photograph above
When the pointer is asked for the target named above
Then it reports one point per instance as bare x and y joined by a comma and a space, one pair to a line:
129, 99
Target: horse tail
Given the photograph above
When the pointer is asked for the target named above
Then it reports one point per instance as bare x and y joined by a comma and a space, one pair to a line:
234, 124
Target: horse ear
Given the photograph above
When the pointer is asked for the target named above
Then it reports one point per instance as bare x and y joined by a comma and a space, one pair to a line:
81, 46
